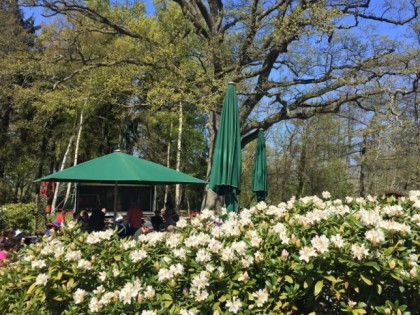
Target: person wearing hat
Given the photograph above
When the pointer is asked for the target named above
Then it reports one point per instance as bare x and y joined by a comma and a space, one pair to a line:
146, 228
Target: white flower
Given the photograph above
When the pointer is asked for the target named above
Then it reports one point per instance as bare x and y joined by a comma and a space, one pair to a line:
127, 244
102, 276
94, 305
413, 272
115, 272
174, 240
337, 240
239, 247
256, 241
164, 274
247, 261
84, 264
227, 254
138, 255
202, 256
215, 246
200, 281
129, 291
244, 277
258, 256
359, 252
326, 195
201, 296
234, 305
177, 269
107, 298
38, 264
70, 225
375, 236
320, 243
79, 296
73, 255
284, 255
181, 223
41, 279
180, 253
148, 312
261, 297
306, 253
149, 293
99, 290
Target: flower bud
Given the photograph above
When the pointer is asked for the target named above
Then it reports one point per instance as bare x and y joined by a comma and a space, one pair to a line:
392, 264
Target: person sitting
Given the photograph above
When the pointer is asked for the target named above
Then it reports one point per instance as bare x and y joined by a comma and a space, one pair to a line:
60, 219
124, 227
169, 214
157, 221
146, 228
96, 221
83, 219
135, 216
5, 248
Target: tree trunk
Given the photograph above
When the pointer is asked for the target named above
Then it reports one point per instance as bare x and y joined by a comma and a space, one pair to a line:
178, 156
76, 153
63, 164
168, 162
210, 199
363, 168
301, 167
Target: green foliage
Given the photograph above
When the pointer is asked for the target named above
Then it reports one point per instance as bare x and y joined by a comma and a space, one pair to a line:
306, 256
18, 216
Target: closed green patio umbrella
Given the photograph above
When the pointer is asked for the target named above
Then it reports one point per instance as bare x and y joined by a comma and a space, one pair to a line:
259, 172
225, 177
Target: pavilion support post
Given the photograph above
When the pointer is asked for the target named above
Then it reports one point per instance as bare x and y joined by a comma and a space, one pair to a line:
115, 202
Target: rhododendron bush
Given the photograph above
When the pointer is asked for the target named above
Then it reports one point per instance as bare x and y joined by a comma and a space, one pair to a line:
309, 255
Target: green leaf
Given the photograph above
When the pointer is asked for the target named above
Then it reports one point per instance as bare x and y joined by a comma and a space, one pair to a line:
166, 297
366, 280
117, 258
379, 289
31, 288
359, 311
223, 298
331, 278
318, 287
288, 279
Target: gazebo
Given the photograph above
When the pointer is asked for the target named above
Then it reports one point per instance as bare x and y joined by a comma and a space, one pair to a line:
118, 174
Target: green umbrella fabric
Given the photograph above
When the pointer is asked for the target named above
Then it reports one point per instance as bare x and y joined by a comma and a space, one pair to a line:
259, 172
121, 168
225, 177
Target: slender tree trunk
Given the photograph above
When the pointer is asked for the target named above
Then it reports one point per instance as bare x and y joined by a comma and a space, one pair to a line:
301, 167
168, 162
76, 153
363, 168
178, 156
63, 164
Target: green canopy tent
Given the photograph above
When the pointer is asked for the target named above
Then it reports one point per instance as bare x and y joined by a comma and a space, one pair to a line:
259, 172
120, 168
225, 177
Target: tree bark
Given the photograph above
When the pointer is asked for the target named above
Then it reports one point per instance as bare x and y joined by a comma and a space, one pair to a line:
168, 162
76, 153
63, 164
178, 156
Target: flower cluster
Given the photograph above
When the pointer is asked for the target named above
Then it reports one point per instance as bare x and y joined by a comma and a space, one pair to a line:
306, 255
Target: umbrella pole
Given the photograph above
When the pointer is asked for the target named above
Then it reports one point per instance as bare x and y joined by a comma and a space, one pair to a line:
115, 201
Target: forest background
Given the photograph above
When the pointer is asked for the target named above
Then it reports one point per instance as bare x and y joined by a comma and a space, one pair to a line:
333, 83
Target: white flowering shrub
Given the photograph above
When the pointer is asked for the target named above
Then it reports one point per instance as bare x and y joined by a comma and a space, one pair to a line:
306, 256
